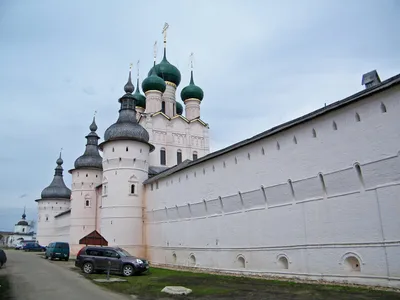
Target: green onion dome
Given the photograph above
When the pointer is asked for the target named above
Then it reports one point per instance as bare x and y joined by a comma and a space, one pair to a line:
192, 90
167, 71
179, 108
139, 98
153, 82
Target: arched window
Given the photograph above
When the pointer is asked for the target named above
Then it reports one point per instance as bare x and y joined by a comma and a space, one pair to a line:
314, 133
87, 202
132, 188
241, 262
163, 160
174, 258
126, 149
163, 106
283, 262
23, 229
192, 260
194, 155
179, 156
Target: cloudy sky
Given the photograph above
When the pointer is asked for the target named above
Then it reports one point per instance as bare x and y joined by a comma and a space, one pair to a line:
260, 63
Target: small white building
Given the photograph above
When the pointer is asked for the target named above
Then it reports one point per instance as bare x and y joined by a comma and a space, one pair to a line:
22, 232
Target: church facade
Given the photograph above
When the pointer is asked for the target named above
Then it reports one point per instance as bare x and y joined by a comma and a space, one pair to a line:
314, 198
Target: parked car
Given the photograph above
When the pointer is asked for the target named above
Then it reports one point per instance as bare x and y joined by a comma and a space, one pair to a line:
33, 247
3, 258
21, 244
57, 250
94, 259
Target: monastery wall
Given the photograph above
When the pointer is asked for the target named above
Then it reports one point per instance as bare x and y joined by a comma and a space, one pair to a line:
319, 200
62, 226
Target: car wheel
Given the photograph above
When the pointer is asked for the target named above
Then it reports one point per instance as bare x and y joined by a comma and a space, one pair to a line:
67, 259
1, 264
128, 270
87, 268
46, 257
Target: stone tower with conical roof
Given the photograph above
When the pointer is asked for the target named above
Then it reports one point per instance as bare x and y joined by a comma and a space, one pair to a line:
54, 200
86, 177
126, 152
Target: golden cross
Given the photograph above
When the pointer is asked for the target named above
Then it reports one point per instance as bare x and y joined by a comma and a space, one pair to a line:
164, 32
95, 112
130, 66
137, 66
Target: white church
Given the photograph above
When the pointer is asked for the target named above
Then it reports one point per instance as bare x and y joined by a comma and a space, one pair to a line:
315, 198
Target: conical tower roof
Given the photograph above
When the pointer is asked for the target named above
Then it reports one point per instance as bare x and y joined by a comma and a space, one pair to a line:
91, 159
57, 188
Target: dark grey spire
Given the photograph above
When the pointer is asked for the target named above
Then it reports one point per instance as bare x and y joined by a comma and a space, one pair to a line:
129, 88
57, 188
127, 127
91, 159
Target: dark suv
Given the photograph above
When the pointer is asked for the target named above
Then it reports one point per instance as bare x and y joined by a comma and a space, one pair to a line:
94, 259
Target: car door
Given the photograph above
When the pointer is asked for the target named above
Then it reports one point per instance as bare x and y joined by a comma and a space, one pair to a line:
98, 258
112, 258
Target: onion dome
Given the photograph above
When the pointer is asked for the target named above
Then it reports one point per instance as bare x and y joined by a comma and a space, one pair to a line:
126, 127
139, 98
91, 159
23, 222
179, 108
153, 82
167, 71
192, 91
57, 188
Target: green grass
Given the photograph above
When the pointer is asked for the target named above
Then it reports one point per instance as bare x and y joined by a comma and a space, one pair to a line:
5, 288
222, 287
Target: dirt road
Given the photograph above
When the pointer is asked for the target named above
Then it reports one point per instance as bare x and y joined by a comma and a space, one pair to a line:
32, 277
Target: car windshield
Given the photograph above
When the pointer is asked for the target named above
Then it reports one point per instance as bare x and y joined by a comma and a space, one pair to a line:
123, 252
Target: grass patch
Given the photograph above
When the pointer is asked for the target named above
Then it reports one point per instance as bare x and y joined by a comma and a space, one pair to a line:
223, 287
5, 288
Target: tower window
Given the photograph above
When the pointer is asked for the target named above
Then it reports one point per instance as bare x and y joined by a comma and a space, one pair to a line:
126, 149
23, 229
132, 188
87, 175
163, 157
383, 108
194, 155
314, 133
87, 203
179, 156
163, 106
113, 149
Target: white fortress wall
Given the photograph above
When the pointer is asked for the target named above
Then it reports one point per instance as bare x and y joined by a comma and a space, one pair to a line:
62, 227
292, 204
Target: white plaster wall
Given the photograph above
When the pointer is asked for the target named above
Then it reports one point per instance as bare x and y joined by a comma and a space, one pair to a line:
21, 228
121, 211
173, 135
169, 98
83, 218
62, 228
153, 101
192, 108
49, 208
293, 215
